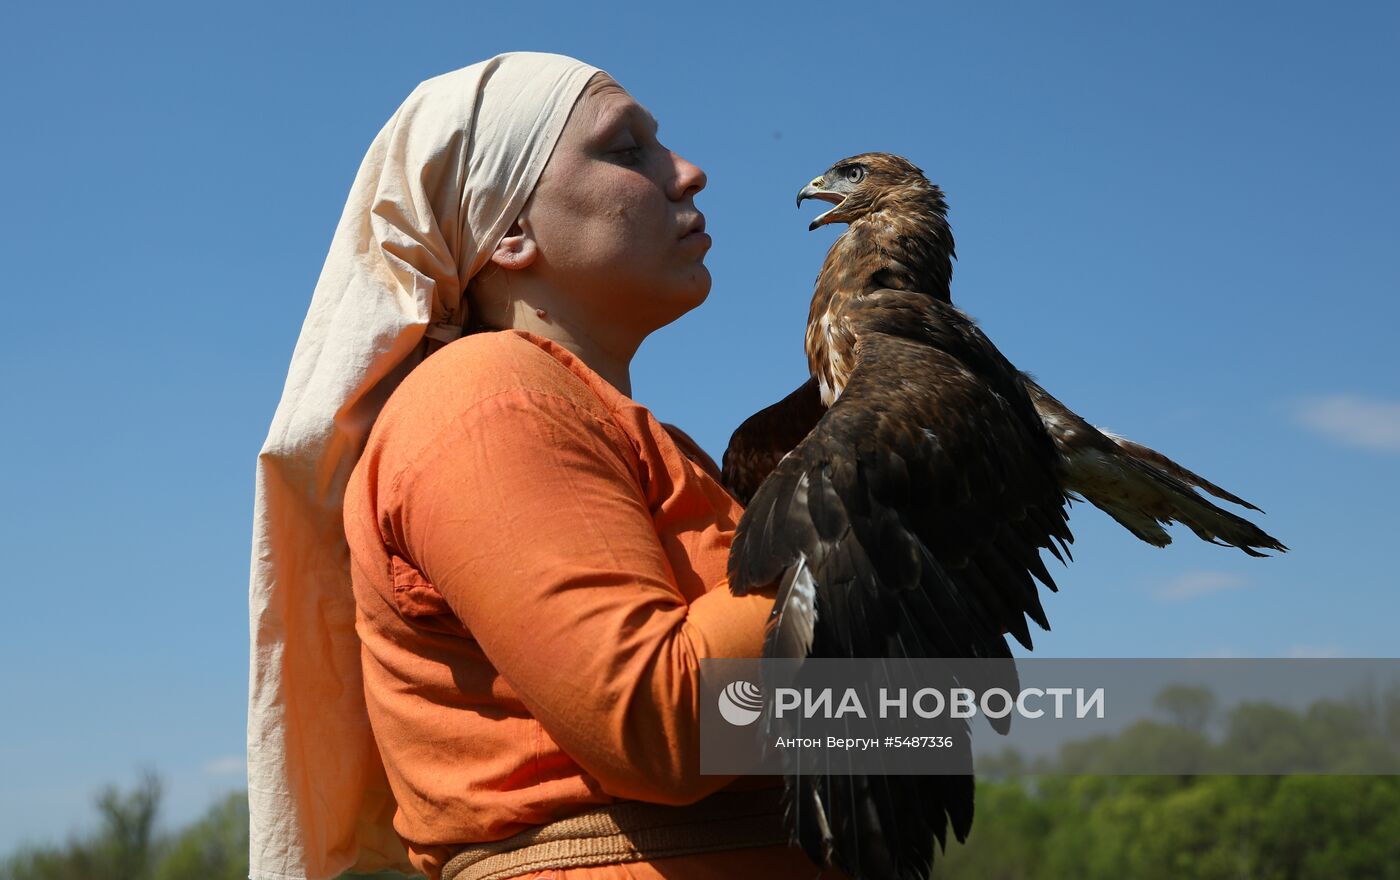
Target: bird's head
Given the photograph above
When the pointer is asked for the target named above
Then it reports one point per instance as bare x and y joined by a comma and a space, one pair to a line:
863, 184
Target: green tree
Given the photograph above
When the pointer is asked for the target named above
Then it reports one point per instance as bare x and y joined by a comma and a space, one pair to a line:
1186, 706
123, 848
1083, 823
213, 848
1066, 818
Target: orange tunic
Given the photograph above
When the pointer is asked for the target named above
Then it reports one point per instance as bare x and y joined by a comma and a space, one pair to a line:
538, 567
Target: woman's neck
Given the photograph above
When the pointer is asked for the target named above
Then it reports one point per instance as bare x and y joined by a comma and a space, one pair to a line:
609, 358
614, 368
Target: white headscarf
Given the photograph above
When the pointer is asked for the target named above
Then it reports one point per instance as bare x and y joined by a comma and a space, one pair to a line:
439, 187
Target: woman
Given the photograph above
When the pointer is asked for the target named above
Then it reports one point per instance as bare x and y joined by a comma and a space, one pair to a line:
537, 563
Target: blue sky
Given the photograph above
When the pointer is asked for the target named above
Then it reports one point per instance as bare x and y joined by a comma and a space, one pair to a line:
1180, 216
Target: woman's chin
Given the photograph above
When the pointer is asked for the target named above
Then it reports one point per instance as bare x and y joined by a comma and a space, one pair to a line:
702, 283
698, 290
678, 299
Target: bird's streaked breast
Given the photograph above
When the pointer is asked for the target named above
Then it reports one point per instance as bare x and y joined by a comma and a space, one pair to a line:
831, 348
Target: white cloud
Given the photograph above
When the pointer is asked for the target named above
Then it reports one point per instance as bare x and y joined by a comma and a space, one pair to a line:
1353, 420
226, 766
1199, 583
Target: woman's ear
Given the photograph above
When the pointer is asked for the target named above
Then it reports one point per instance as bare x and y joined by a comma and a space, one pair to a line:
517, 248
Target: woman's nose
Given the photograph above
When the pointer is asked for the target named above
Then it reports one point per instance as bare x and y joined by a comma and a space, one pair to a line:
688, 180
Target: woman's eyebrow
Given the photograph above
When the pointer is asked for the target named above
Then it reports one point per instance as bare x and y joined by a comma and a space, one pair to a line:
632, 111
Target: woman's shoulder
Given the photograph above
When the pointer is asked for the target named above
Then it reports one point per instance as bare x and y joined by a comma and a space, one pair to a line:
505, 366
484, 365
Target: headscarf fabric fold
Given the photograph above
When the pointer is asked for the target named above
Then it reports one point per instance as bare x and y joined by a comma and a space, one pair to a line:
438, 189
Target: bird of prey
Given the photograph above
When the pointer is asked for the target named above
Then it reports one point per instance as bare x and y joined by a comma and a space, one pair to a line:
901, 496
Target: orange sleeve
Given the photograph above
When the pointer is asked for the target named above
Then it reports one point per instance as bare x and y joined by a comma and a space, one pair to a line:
528, 516
702, 457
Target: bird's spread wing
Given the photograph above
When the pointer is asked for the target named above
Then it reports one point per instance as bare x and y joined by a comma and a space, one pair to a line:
907, 523
765, 437
1140, 487
918, 503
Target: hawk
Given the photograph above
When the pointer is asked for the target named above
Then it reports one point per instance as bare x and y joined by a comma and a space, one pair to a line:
901, 496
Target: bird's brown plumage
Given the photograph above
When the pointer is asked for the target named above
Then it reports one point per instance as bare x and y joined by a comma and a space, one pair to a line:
909, 513
900, 497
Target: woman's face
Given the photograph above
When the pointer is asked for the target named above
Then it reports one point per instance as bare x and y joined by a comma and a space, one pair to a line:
614, 216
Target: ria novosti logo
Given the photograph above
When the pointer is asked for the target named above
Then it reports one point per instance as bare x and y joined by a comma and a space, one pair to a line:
741, 702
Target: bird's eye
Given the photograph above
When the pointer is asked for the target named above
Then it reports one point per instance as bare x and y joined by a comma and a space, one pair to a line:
855, 173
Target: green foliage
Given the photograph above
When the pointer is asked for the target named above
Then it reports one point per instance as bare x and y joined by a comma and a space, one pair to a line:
1168, 828
1086, 823
215, 847
126, 845
1070, 818
1190, 708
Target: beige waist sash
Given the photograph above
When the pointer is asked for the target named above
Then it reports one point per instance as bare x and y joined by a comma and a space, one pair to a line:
628, 831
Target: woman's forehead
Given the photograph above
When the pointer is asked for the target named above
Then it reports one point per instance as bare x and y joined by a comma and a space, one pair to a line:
601, 82
606, 101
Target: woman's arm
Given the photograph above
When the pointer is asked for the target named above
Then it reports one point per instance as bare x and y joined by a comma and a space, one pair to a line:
527, 515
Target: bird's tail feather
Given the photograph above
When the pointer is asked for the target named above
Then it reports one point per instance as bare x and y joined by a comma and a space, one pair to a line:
1140, 487
1166, 465
1144, 492
878, 827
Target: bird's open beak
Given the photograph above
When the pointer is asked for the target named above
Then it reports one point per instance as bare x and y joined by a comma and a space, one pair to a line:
818, 189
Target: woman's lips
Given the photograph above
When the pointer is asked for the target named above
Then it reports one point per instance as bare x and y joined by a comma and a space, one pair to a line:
695, 233
697, 239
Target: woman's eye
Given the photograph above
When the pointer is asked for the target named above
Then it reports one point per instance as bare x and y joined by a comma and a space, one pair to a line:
628, 155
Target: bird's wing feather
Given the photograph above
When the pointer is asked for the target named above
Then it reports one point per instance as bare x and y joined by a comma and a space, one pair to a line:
908, 522
1140, 487
923, 494
758, 444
